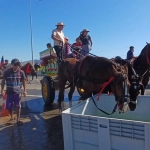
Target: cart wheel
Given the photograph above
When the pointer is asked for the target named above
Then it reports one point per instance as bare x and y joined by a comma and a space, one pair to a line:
48, 90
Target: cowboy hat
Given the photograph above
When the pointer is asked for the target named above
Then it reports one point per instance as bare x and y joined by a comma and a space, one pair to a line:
59, 24
85, 30
66, 38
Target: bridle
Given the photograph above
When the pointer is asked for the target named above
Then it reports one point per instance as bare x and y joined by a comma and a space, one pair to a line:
125, 96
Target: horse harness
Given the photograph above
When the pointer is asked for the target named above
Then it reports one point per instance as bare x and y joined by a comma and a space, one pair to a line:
78, 78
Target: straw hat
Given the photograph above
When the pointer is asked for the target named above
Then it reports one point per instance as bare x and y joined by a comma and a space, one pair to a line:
85, 30
60, 24
66, 38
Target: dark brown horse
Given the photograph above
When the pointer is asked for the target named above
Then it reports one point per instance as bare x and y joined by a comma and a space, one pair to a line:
142, 65
93, 72
135, 81
28, 70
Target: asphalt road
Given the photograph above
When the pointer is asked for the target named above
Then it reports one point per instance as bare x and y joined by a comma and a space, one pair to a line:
42, 128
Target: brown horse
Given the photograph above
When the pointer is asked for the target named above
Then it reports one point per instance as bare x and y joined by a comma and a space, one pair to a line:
142, 65
93, 72
28, 70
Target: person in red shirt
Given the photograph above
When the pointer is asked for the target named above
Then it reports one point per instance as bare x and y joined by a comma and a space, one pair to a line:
77, 47
78, 44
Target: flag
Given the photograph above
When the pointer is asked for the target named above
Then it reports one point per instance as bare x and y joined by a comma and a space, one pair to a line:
2, 61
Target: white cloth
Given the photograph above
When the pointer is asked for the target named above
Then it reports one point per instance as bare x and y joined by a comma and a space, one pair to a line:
58, 35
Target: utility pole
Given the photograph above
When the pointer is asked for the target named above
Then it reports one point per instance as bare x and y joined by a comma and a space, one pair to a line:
31, 31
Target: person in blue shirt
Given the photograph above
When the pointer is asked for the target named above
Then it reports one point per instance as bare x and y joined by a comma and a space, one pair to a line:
130, 53
14, 78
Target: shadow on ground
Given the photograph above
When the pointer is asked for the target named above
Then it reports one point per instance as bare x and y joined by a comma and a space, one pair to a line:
40, 131
42, 128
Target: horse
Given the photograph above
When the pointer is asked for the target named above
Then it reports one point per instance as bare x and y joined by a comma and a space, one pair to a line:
92, 74
141, 64
135, 81
28, 70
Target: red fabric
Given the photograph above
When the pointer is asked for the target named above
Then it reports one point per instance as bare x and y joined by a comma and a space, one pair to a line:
45, 61
28, 69
2, 61
79, 45
103, 87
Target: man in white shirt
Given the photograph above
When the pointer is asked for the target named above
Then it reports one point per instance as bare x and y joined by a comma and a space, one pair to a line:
59, 39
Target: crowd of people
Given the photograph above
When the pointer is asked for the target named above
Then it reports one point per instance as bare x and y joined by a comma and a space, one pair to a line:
14, 77
80, 48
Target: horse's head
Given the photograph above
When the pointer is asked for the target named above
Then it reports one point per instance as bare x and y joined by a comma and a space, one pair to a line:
120, 87
134, 90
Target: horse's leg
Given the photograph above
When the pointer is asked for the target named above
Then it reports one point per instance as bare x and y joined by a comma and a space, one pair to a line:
61, 94
72, 88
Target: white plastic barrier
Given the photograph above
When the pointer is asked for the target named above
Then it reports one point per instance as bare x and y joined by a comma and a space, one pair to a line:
86, 128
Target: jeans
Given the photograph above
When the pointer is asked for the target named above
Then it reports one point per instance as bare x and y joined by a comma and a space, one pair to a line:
58, 50
85, 49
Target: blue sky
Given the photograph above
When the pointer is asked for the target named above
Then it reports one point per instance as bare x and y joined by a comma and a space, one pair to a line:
114, 25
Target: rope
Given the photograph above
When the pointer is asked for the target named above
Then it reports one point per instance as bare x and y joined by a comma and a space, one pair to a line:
103, 87
113, 111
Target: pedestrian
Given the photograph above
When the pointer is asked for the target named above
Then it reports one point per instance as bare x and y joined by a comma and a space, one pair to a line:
130, 53
14, 78
66, 49
86, 42
6, 66
77, 46
34, 73
59, 39
51, 49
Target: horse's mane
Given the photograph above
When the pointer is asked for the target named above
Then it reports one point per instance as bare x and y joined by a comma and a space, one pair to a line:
102, 60
138, 59
143, 50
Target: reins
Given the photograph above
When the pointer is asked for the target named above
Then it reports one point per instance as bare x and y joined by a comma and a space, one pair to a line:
81, 50
103, 87
114, 110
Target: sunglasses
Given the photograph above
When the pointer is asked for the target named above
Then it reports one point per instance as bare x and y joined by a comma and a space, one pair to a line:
17, 64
